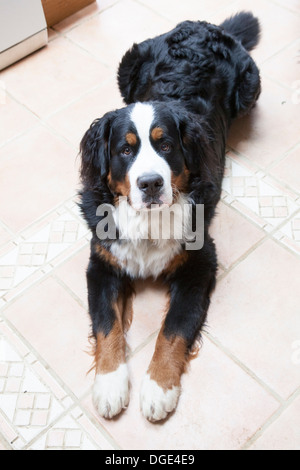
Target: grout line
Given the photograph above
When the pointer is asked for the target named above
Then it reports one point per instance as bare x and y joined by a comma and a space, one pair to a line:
83, 95
14, 98
46, 125
243, 366
9, 230
63, 415
284, 6
43, 277
280, 159
279, 51
174, 22
76, 400
143, 344
268, 423
257, 168
5, 443
87, 52
51, 212
260, 431
252, 248
72, 294
157, 12
40, 360
278, 83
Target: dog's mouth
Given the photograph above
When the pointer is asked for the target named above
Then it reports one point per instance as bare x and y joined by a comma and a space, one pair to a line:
151, 205
154, 203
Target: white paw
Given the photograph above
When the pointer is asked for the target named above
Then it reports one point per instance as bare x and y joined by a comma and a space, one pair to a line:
155, 402
111, 392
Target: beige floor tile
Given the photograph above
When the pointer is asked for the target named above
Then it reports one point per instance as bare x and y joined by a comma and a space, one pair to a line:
188, 10
105, 38
233, 235
73, 273
15, 119
255, 313
288, 169
149, 309
4, 236
49, 79
57, 328
288, 72
73, 121
3, 446
292, 5
284, 433
38, 171
259, 136
204, 419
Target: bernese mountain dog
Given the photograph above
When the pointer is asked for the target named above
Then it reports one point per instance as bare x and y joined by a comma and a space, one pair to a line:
165, 149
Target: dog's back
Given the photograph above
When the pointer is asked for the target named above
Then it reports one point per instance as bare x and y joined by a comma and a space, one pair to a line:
197, 63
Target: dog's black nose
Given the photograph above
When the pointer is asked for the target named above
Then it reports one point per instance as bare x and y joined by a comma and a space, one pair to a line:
150, 184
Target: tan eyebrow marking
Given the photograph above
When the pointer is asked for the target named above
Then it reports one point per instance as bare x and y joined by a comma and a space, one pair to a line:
131, 138
157, 133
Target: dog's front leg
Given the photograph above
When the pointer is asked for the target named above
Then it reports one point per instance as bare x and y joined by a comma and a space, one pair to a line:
190, 287
108, 294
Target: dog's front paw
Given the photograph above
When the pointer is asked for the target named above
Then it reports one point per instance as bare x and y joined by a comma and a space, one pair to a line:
111, 392
155, 402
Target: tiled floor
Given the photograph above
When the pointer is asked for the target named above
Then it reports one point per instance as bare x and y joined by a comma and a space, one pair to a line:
243, 389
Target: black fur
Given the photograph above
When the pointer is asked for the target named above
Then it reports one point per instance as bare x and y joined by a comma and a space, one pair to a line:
201, 65
200, 77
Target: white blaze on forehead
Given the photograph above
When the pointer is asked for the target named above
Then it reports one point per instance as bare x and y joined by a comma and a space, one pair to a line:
143, 116
147, 160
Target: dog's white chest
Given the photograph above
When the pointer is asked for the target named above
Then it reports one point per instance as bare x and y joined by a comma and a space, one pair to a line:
148, 242
143, 258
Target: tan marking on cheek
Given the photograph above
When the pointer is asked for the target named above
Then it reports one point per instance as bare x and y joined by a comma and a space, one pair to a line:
169, 361
120, 188
131, 138
157, 133
180, 182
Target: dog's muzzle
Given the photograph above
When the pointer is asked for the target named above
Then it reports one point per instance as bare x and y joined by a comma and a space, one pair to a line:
151, 185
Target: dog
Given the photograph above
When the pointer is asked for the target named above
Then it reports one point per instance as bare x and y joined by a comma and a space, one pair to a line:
164, 149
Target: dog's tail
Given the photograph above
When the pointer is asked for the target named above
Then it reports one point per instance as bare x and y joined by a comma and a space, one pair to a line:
244, 27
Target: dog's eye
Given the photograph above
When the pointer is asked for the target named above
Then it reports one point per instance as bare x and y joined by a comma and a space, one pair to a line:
165, 147
127, 151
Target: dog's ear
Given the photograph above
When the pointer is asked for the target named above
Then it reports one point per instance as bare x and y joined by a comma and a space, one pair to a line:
194, 139
95, 150
191, 136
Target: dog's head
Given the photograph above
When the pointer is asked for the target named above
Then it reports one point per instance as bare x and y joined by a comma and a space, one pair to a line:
145, 151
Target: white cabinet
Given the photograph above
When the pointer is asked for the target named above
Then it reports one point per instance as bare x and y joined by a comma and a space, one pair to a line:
23, 29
